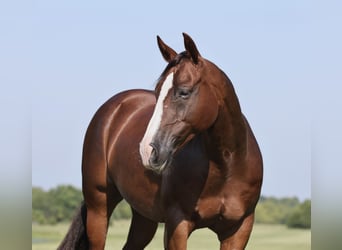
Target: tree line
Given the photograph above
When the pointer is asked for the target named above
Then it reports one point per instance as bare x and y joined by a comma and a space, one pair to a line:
59, 205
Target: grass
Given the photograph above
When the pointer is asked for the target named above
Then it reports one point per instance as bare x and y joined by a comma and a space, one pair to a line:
264, 237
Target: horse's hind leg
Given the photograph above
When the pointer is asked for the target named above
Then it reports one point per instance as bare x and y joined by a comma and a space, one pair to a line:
100, 205
140, 233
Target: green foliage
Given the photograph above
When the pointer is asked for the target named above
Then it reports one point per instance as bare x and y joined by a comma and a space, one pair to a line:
301, 216
287, 211
56, 205
275, 211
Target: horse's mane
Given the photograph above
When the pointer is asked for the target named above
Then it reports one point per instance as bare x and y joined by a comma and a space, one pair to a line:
171, 64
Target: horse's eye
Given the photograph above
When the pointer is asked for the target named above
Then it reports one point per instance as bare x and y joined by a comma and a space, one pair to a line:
183, 93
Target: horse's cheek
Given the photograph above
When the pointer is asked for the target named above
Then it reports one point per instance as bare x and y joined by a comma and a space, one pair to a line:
206, 111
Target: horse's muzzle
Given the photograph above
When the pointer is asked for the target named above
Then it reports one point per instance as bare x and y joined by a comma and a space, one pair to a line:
159, 157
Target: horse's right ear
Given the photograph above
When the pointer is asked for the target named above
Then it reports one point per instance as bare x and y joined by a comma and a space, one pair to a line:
168, 53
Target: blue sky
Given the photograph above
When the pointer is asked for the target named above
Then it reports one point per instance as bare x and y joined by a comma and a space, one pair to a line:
62, 59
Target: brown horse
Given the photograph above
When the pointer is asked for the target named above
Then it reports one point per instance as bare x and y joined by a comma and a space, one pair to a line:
183, 154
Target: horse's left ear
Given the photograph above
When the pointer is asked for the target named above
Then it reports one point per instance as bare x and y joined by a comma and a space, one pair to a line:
168, 53
190, 46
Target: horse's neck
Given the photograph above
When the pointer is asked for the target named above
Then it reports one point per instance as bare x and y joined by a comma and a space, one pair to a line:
228, 134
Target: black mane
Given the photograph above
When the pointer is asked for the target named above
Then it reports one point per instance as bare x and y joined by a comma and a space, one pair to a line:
174, 62
171, 64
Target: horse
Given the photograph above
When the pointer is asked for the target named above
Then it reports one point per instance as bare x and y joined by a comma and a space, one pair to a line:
183, 155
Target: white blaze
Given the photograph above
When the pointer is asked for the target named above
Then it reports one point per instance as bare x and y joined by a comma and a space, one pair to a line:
153, 125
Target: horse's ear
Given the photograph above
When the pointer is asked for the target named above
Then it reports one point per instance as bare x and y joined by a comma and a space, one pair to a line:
165, 50
190, 46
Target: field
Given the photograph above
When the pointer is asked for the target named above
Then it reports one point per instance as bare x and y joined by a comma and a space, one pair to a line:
264, 237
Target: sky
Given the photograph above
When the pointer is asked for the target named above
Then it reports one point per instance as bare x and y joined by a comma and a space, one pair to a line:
61, 60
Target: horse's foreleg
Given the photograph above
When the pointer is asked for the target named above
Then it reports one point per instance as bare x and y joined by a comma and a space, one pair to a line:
141, 232
177, 231
239, 239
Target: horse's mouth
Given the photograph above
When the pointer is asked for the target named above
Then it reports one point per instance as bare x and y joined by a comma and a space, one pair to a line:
162, 167
158, 169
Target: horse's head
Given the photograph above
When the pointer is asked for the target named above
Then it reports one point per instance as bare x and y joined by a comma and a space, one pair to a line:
186, 105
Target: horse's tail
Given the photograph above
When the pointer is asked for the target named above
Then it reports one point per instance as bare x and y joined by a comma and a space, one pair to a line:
76, 238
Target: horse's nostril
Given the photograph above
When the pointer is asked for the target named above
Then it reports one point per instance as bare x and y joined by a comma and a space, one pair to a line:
154, 147
154, 154
159, 156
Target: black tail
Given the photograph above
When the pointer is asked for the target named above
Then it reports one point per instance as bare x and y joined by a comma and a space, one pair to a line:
76, 238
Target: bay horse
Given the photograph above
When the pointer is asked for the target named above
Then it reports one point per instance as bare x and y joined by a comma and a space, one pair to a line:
183, 155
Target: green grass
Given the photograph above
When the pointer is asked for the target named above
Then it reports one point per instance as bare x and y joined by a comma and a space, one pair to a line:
264, 237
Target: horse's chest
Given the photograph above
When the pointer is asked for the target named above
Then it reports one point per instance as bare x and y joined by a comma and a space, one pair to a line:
207, 209
213, 209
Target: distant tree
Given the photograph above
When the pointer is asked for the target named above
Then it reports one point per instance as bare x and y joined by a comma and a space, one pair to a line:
40, 205
301, 216
64, 202
56, 205
271, 210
